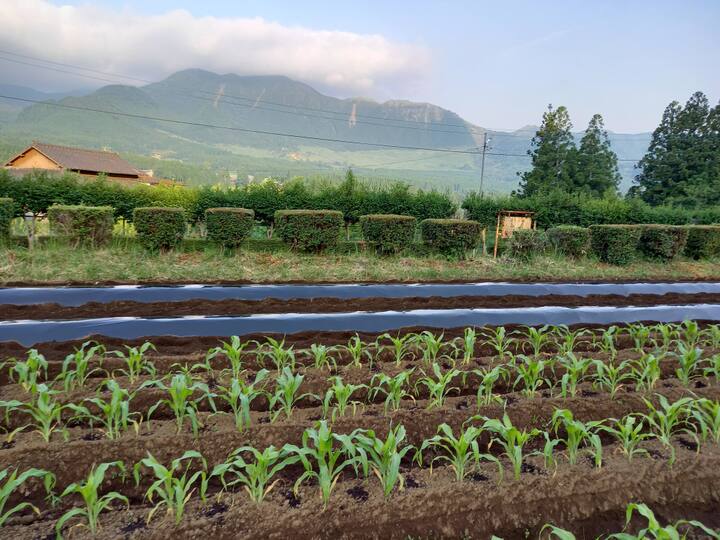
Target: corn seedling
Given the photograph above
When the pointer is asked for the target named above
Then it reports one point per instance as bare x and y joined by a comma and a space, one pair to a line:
549, 450
240, 395
357, 350
180, 400
511, 440
499, 341
688, 359
556, 532
76, 368
173, 485
135, 362
321, 459
575, 371
629, 432
606, 342
27, 373
462, 453
711, 336
467, 343
707, 416
320, 355
713, 368
657, 531
640, 335
114, 413
537, 338
233, 351
439, 387
668, 420
430, 346
568, 339
646, 372
668, 333
11, 481
255, 473
383, 457
94, 502
286, 394
488, 379
400, 346
338, 396
44, 410
577, 434
690, 333
530, 374
609, 377
280, 356
394, 388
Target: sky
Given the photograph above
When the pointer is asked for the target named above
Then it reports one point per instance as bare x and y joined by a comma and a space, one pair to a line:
496, 64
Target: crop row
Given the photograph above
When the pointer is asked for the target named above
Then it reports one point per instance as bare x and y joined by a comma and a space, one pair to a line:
324, 456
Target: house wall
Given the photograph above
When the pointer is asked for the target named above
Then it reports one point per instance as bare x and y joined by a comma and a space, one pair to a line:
34, 160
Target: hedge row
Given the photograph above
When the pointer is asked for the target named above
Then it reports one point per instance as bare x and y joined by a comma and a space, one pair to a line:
92, 225
7, 212
229, 227
37, 191
389, 232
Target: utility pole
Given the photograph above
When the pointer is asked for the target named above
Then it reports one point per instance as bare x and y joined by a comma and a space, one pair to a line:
485, 147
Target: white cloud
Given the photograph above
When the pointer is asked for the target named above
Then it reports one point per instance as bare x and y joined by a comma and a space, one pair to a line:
153, 46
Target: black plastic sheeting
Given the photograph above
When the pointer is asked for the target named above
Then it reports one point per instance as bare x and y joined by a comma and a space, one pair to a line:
29, 333
77, 296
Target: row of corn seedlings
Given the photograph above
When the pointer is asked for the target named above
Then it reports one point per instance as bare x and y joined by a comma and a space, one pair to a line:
323, 456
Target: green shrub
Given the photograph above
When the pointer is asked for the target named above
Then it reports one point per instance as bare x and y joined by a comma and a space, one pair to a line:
524, 244
389, 232
664, 242
703, 241
159, 228
569, 240
452, 236
91, 225
309, 230
615, 244
7, 212
229, 227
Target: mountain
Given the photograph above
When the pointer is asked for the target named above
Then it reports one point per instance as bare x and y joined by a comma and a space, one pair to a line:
252, 110
10, 109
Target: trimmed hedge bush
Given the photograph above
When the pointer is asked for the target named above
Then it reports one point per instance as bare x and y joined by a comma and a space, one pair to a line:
91, 225
229, 227
309, 230
7, 212
569, 240
664, 242
454, 236
524, 244
615, 244
703, 241
389, 232
159, 228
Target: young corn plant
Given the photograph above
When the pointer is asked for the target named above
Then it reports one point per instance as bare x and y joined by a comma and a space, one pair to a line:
575, 372
321, 459
657, 531
77, 367
239, 397
440, 386
690, 333
95, 504
640, 335
499, 341
357, 350
667, 335
430, 346
394, 388
688, 359
711, 336
707, 417
286, 394
577, 435
338, 396
629, 432
113, 413
537, 338
383, 457
488, 379
175, 484
11, 481
569, 339
511, 440
670, 419
281, 357
135, 362
321, 357
610, 377
254, 470
646, 372
180, 400
29, 372
467, 345
556, 532
399, 345
713, 368
606, 342
530, 374
44, 410
233, 351
461, 453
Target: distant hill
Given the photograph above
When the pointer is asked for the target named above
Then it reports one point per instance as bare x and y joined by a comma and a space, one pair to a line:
281, 105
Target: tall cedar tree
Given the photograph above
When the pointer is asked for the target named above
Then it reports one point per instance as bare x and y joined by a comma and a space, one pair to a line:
596, 168
553, 155
682, 164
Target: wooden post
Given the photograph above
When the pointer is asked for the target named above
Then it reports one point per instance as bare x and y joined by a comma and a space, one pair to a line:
497, 234
484, 241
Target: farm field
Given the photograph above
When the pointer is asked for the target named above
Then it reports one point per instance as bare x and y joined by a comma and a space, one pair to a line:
425, 433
